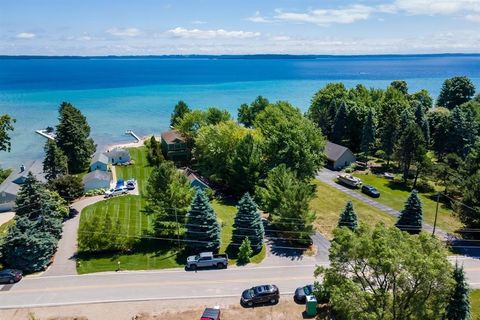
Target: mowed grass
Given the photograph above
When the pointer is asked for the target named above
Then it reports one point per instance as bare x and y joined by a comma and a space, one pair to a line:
140, 171
4, 228
330, 202
475, 303
395, 197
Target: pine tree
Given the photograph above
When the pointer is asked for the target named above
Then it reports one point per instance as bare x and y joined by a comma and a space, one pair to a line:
73, 138
422, 122
55, 163
248, 224
203, 230
459, 305
411, 217
245, 251
30, 198
348, 218
154, 152
339, 128
368, 135
181, 108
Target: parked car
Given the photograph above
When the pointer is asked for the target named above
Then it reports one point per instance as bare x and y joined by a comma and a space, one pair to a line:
115, 192
371, 191
131, 184
349, 180
211, 314
260, 295
302, 293
207, 259
10, 276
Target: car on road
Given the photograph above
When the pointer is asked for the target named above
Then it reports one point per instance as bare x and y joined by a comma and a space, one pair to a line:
131, 184
10, 276
371, 191
211, 314
265, 294
301, 293
207, 260
116, 192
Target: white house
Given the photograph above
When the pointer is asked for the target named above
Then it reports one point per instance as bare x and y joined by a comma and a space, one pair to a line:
12, 184
118, 156
99, 162
338, 156
97, 179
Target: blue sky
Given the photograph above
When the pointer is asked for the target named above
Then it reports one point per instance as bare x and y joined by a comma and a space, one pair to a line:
143, 27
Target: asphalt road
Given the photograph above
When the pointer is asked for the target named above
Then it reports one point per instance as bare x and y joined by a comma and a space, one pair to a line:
150, 285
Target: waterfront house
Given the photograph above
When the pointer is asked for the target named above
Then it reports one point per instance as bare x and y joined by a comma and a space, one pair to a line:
118, 156
338, 156
174, 146
99, 162
195, 180
12, 184
97, 179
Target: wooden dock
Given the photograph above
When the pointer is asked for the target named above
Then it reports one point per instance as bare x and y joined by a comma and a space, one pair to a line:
130, 132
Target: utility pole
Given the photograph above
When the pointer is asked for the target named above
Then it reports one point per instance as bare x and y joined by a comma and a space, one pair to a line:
436, 214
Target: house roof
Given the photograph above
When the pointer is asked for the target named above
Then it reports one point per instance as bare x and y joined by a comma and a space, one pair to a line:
117, 151
99, 157
172, 136
334, 151
192, 176
14, 181
98, 175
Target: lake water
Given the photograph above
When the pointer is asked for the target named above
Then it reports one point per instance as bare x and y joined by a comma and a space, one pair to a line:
117, 94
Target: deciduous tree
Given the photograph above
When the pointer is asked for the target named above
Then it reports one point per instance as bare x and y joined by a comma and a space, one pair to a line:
455, 91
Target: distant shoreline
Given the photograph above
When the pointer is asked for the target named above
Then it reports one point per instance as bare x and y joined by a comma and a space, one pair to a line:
239, 56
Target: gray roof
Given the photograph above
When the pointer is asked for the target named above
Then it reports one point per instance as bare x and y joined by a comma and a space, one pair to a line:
334, 151
116, 152
98, 175
99, 157
14, 181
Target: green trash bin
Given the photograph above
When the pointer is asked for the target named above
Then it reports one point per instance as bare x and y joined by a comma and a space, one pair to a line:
311, 306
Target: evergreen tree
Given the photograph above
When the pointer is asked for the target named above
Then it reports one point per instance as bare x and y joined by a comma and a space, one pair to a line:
27, 247
245, 252
181, 108
368, 135
55, 163
400, 85
6, 125
248, 224
422, 122
339, 128
348, 218
458, 307
203, 230
411, 147
73, 138
154, 152
68, 187
30, 198
411, 217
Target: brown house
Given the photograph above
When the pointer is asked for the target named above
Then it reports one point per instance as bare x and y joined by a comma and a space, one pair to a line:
174, 146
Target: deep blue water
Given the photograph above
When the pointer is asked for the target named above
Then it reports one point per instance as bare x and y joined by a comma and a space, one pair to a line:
139, 93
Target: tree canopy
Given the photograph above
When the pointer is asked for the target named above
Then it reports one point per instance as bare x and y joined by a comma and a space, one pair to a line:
6, 125
248, 224
181, 108
411, 217
455, 91
55, 163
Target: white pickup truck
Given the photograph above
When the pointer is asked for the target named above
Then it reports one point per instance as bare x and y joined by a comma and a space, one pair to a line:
207, 260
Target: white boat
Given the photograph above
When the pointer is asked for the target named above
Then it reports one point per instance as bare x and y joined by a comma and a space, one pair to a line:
350, 180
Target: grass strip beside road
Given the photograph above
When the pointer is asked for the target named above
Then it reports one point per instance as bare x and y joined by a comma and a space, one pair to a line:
330, 202
394, 195
475, 303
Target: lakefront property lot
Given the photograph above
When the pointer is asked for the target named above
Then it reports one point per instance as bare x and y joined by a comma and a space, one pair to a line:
394, 196
147, 252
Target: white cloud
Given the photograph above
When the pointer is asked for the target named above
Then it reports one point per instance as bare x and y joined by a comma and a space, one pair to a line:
433, 7
198, 22
126, 32
280, 38
25, 35
325, 17
180, 32
258, 18
473, 17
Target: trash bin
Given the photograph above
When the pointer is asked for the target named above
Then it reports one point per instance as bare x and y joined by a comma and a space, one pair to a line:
311, 306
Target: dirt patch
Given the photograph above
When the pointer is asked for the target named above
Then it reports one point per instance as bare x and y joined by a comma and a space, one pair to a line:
156, 310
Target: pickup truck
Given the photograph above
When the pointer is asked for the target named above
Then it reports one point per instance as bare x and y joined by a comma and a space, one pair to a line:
206, 260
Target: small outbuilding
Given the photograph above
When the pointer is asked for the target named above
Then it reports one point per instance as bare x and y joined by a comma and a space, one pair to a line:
99, 162
195, 180
338, 156
118, 156
97, 179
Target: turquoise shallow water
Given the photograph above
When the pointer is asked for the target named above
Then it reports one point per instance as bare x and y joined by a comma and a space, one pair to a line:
146, 108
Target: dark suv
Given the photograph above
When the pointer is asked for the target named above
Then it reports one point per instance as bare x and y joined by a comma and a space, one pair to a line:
371, 191
260, 295
10, 276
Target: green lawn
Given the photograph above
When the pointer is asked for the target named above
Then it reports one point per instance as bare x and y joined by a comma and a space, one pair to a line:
147, 254
140, 170
475, 303
395, 196
4, 228
330, 202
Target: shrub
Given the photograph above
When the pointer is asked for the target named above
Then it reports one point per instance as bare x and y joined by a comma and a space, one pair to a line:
68, 187
424, 186
380, 154
94, 192
245, 252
